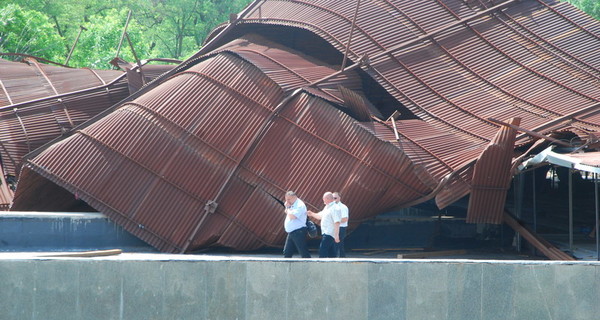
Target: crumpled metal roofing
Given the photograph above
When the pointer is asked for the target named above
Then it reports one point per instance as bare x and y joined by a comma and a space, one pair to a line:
456, 64
40, 102
491, 177
205, 155
221, 144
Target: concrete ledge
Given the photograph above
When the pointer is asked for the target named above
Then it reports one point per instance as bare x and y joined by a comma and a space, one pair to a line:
158, 286
56, 231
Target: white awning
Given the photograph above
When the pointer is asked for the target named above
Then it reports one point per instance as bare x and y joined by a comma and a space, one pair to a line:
588, 161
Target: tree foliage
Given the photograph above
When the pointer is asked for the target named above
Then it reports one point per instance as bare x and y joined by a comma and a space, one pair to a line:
20, 31
158, 28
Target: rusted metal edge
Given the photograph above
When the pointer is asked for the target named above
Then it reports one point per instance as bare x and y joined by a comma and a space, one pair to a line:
566, 117
37, 65
274, 61
66, 94
60, 96
530, 132
491, 176
5, 92
350, 36
34, 57
439, 187
16, 111
89, 198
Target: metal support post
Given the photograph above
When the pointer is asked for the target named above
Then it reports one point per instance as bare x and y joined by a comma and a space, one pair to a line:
571, 210
596, 225
534, 200
518, 199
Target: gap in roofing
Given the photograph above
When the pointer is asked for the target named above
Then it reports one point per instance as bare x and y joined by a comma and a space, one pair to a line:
314, 46
48, 196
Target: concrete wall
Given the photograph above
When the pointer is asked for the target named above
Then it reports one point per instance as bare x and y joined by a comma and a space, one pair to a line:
139, 286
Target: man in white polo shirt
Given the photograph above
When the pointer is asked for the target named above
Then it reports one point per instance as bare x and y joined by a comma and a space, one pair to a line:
341, 252
330, 226
295, 226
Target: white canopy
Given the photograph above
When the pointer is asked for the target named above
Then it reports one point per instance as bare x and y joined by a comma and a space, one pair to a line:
588, 161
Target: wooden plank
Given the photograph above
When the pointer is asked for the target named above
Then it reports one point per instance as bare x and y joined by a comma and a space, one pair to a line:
421, 255
389, 249
545, 247
370, 253
86, 254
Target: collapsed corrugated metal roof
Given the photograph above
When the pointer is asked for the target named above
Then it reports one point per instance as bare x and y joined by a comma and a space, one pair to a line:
202, 173
40, 102
200, 156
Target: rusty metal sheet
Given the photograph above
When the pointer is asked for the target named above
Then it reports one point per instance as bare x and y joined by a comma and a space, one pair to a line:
224, 134
491, 177
507, 64
42, 102
221, 144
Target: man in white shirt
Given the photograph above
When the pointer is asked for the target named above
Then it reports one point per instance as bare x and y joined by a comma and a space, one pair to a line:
295, 226
330, 218
341, 252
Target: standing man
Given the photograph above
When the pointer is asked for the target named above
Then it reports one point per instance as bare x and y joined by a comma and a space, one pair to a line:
330, 226
344, 214
295, 226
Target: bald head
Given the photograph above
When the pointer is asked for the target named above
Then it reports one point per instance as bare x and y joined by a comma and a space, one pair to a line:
327, 197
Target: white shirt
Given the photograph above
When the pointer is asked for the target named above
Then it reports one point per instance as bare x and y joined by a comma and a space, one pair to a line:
329, 216
344, 213
298, 209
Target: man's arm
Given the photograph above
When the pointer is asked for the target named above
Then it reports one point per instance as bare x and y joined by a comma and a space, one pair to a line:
316, 215
337, 218
291, 213
344, 213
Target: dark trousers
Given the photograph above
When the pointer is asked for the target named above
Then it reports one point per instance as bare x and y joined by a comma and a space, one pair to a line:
341, 252
327, 249
296, 241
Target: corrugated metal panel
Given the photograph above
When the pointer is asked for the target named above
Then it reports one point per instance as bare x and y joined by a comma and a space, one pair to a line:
218, 132
44, 102
37, 113
229, 132
491, 177
504, 65
30, 80
557, 96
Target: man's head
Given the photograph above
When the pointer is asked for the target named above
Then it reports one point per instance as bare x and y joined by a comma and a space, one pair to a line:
327, 197
337, 197
290, 197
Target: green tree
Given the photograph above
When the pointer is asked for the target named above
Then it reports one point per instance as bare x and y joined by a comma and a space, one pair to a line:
98, 45
159, 28
178, 27
28, 32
